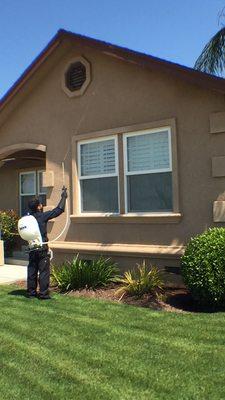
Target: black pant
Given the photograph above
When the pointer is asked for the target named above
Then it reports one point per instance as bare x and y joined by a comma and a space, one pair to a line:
39, 262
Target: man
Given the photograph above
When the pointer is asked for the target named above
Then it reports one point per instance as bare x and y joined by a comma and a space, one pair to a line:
39, 259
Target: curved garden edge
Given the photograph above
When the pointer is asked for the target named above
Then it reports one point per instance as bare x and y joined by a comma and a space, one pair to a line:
178, 300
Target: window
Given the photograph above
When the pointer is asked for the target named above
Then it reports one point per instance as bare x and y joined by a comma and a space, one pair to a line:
98, 175
30, 184
148, 171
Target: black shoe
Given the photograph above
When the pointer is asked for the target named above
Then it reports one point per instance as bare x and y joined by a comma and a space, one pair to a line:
47, 297
31, 296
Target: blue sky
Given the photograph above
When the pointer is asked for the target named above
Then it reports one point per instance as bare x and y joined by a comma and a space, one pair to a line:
176, 30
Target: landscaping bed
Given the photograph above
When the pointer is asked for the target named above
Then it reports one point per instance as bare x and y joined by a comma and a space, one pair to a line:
173, 299
109, 293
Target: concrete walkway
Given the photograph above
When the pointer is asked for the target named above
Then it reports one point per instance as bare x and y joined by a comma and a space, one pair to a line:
12, 273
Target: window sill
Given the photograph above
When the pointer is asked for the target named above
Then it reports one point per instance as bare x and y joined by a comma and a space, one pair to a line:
154, 218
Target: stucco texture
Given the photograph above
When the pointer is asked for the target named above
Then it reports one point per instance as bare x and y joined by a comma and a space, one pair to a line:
120, 94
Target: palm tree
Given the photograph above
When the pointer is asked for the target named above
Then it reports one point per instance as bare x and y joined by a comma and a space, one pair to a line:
212, 58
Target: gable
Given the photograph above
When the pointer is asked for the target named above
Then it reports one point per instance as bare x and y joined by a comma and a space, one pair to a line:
64, 39
120, 94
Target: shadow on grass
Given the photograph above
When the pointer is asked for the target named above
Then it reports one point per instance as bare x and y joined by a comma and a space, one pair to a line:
18, 292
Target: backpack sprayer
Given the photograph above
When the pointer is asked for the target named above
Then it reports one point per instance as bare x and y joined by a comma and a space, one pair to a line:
28, 227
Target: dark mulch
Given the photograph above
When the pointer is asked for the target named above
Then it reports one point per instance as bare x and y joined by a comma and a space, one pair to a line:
175, 300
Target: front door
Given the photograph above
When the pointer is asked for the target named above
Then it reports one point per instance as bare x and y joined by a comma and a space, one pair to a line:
30, 185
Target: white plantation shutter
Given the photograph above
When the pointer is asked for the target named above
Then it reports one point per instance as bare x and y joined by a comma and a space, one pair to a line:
148, 171
98, 174
98, 158
148, 152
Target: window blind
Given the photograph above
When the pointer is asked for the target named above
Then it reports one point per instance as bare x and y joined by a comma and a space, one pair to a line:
148, 152
98, 158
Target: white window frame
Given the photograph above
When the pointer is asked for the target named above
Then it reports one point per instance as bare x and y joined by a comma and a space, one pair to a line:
142, 172
80, 177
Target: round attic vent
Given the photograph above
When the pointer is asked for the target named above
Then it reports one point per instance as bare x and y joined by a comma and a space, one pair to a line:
76, 77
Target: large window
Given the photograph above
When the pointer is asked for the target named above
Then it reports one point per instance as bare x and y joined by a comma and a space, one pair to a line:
148, 171
30, 183
98, 175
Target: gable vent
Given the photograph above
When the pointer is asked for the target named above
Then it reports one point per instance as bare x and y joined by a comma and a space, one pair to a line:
76, 76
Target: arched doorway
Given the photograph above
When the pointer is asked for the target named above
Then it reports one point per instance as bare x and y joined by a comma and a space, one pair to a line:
21, 169
21, 172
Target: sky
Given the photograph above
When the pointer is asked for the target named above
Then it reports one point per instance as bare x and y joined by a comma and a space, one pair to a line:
176, 30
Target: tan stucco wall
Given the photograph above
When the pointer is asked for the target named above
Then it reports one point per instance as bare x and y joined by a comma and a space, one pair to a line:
9, 192
122, 94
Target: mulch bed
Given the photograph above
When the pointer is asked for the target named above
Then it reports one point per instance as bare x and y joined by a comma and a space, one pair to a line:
172, 300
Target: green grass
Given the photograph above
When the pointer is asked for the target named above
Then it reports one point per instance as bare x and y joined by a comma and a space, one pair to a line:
71, 348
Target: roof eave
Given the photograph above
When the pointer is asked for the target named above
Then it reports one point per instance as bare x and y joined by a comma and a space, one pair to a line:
30, 70
191, 75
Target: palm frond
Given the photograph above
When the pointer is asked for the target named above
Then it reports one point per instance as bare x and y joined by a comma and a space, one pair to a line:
212, 58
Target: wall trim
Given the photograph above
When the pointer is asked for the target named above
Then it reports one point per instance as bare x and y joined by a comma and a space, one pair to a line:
126, 250
125, 129
173, 218
6, 150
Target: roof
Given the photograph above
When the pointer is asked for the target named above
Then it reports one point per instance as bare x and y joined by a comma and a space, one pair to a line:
191, 75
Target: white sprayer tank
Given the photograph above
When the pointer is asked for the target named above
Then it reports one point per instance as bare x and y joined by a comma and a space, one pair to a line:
29, 230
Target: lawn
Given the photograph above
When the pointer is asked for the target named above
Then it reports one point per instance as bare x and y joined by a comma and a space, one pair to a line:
76, 348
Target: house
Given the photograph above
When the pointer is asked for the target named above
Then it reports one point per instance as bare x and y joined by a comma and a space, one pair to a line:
142, 141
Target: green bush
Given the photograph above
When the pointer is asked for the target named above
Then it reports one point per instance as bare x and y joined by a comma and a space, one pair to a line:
8, 226
78, 274
203, 267
140, 281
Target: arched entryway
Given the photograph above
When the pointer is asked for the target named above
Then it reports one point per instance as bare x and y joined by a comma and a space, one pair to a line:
21, 169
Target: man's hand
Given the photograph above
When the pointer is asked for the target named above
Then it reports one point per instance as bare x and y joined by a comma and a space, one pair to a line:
64, 192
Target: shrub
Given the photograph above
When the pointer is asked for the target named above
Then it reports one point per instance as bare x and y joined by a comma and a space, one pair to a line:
203, 267
140, 281
8, 226
79, 274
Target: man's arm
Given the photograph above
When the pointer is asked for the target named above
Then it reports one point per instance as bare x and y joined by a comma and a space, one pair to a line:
59, 209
